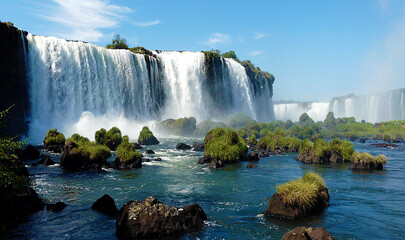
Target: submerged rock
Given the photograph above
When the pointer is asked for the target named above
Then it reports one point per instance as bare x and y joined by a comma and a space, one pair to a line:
149, 151
30, 153
383, 145
182, 146
137, 146
213, 163
253, 156
198, 147
59, 206
153, 219
46, 161
251, 165
105, 205
304, 233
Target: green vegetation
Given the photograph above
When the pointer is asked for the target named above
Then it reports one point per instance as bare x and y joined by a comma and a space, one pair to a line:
324, 149
126, 151
118, 43
78, 139
302, 192
182, 126
146, 137
9, 144
111, 139
224, 145
366, 158
279, 141
53, 137
230, 54
252, 140
205, 126
89, 150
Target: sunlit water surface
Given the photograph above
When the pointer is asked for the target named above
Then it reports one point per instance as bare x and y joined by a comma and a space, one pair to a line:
362, 205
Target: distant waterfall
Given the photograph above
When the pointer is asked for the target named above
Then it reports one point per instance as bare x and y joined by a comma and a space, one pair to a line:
81, 87
373, 108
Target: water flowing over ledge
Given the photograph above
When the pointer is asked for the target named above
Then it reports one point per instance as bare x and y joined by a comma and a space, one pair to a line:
75, 86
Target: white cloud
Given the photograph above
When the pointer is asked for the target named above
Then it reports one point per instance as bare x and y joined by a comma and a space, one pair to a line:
255, 53
218, 38
260, 35
85, 18
146, 24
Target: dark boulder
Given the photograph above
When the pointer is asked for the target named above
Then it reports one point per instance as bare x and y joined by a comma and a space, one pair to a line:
251, 165
46, 161
154, 219
383, 145
149, 151
105, 205
215, 163
182, 146
198, 147
30, 153
59, 206
131, 164
137, 146
277, 207
362, 140
304, 233
367, 166
253, 156
204, 159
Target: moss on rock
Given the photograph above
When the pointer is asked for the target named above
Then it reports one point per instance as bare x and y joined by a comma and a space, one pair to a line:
146, 137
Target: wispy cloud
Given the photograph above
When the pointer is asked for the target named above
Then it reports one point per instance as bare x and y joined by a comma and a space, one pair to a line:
218, 38
255, 53
384, 4
261, 35
147, 24
84, 18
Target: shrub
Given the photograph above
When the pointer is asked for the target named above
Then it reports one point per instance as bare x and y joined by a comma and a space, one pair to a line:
252, 140
78, 139
224, 145
126, 151
54, 137
101, 137
242, 133
305, 146
302, 192
345, 148
118, 43
366, 158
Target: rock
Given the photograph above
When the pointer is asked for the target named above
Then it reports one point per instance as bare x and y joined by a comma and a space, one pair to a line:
54, 141
138, 146
251, 165
280, 209
149, 151
157, 159
367, 166
327, 158
34, 164
198, 147
253, 156
336, 157
204, 159
131, 164
46, 161
216, 163
30, 153
362, 140
146, 137
182, 146
154, 219
74, 160
105, 205
304, 233
383, 145
59, 206
263, 154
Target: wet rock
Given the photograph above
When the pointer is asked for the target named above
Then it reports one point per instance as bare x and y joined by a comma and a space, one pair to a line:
46, 161
383, 145
183, 146
198, 147
30, 153
367, 166
251, 165
216, 163
153, 219
138, 146
277, 207
59, 206
130, 164
362, 140
149, 151
253, 156
304, 233
105, 205
204, 159
74, 160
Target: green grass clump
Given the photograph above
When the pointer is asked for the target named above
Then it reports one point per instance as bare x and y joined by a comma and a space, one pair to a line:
345, 148
305, 146
78, 139
111, 139
92, 151
54, 137
278, 141
302, 192
366, 158
100, 136
126, 151
224, 145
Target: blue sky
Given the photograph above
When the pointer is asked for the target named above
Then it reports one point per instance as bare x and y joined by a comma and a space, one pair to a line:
315, 49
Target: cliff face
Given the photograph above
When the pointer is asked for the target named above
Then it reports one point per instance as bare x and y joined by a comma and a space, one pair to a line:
13, 81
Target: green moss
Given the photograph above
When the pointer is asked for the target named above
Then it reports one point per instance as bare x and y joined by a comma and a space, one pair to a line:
126, 151
182, 126
302, 192
366, 158
224, 145
146, 137
141, 50
92, 151
111, 139
54, 137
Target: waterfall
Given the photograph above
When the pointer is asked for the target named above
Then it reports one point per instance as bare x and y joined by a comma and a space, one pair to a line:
292, 111
81, 87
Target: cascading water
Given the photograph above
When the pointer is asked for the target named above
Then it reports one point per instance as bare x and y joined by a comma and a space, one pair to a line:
292, 111
81, 87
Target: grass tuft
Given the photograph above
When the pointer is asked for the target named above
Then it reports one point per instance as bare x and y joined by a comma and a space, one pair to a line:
367, 158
